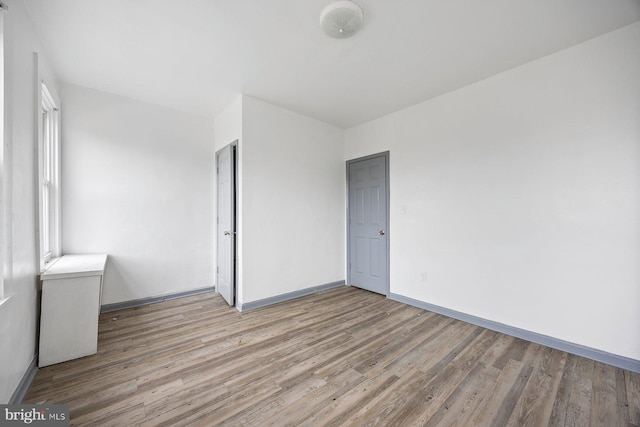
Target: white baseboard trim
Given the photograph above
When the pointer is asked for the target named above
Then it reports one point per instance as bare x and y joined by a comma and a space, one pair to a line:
580, 350
288, 296
25, 382
152, 300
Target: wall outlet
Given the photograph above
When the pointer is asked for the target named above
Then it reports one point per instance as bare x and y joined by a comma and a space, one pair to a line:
423, 276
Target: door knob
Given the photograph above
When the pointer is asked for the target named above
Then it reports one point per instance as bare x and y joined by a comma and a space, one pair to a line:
227, 233
381, 232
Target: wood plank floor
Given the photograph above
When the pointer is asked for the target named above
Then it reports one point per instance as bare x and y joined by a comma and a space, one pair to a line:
340, 357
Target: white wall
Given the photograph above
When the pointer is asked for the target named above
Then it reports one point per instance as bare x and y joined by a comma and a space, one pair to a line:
227, 129
293, 189
228, 124
137, 184
19, 315
523, 195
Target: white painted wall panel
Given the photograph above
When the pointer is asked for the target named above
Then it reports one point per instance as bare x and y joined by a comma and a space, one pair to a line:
293, 213
522, 195
19, 315
137, 184
227, 129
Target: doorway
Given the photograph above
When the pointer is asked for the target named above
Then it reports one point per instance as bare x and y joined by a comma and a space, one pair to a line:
368, 223
226, 169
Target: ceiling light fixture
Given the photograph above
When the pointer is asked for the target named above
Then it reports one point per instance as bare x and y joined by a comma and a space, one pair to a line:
341, 19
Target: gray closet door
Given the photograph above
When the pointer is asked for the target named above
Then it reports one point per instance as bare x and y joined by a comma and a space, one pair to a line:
368, 250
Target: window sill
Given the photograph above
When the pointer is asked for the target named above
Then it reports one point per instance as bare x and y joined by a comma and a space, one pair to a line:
4, 300
50, 263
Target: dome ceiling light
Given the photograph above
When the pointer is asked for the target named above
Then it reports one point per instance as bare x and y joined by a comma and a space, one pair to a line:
341, 19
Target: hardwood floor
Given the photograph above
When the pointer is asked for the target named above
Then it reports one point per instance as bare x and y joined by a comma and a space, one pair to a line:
340, 357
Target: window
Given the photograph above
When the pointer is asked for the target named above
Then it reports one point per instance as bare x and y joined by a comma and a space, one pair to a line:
49, 179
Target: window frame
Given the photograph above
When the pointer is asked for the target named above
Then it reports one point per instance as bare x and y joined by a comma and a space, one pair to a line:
48, 177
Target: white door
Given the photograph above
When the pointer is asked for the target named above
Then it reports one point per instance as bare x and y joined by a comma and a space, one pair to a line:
368, 224
225, 230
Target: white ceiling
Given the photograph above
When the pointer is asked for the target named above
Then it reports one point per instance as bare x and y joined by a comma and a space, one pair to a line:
198, 55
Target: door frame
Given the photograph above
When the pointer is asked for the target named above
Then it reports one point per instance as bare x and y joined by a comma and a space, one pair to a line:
385, 155
234, 218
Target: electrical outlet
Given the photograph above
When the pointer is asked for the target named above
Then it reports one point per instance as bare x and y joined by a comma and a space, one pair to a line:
423, 276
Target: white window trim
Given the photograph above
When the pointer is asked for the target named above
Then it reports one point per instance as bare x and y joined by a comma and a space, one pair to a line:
48, 177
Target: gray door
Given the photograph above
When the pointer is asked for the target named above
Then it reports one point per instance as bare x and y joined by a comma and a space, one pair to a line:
225, 230
368, 223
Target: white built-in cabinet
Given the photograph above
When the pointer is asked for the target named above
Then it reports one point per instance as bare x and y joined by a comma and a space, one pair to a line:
71, 300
